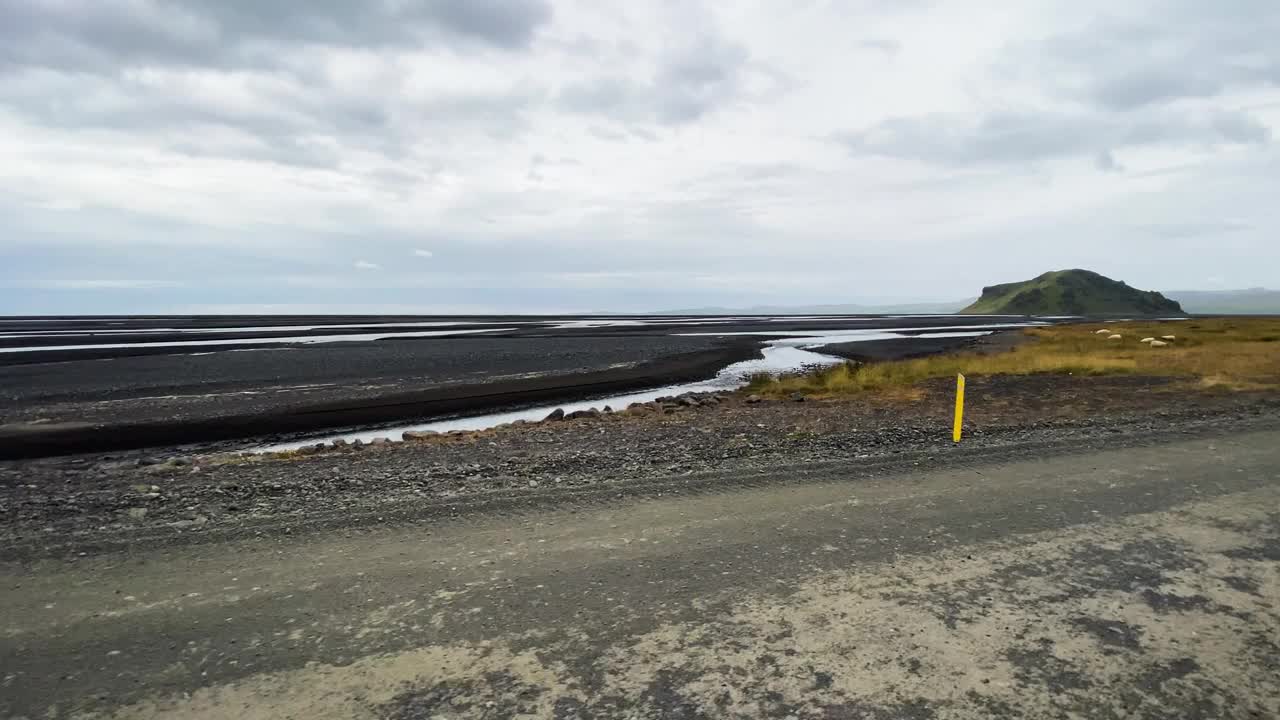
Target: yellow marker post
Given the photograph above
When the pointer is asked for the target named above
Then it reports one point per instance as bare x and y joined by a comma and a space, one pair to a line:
955, 433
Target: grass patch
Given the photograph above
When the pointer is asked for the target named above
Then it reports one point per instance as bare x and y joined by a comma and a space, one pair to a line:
1231, 353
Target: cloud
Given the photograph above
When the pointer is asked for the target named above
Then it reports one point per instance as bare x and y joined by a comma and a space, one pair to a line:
366, 265
1156, 53
419, 252
564, 154
682, 88
111, 284
888, 46
1029, 136
1106, 162
103, 35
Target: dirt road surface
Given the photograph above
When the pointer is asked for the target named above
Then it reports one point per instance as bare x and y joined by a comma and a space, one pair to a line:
1126, 583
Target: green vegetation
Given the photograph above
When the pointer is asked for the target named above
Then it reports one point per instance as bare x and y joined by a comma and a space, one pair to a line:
1071, 292
1232, 353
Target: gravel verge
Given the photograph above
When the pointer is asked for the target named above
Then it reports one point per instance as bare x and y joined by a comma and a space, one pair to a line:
84, 503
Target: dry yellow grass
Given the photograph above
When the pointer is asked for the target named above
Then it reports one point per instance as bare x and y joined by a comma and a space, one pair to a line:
1233, 353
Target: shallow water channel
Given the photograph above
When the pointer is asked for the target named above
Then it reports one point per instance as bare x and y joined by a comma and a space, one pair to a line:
780, 355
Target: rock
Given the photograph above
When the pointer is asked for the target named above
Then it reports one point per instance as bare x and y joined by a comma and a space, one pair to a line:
144, 488
797, 397
533, 483
379, 441
418, 435
137, 513
607, 410
1159, 343
637, 410
147, 461
557, 414
340, 442
1168, 337
181, 461
753, 399
687, 401
583, 414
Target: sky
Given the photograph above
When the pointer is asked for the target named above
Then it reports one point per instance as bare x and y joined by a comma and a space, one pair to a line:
440, 156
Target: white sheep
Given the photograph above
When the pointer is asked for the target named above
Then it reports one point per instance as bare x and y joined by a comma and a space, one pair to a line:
1168, 337
1102, 332
1157, 343
1115, 337
1147, 340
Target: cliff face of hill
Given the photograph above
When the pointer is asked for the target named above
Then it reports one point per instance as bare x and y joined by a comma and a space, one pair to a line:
1071, 292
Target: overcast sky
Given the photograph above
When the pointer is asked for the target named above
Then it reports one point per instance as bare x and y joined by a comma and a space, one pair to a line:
552, 155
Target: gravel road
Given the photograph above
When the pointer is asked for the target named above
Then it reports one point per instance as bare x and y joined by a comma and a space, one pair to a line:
1131, 576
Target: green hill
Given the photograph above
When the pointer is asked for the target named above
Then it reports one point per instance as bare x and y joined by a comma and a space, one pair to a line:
1071, 292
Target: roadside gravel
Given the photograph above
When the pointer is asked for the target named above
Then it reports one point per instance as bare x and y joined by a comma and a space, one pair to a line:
85, 503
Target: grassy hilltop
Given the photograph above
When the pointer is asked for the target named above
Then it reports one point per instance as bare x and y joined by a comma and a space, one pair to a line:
1071, 292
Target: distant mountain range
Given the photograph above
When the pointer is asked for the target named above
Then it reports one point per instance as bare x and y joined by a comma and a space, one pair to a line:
1253, 301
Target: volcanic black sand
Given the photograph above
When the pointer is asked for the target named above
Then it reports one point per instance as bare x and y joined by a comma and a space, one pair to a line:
106, 398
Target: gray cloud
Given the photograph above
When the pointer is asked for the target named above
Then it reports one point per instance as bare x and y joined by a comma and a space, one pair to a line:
1173, 50
1141, 76
686, 86
271, 117
103, 35
143, 140
888, 46
1106, 162
250, 71
1029, 136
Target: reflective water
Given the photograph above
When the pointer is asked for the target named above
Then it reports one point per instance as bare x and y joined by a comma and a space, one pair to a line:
293, 340
237, 329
